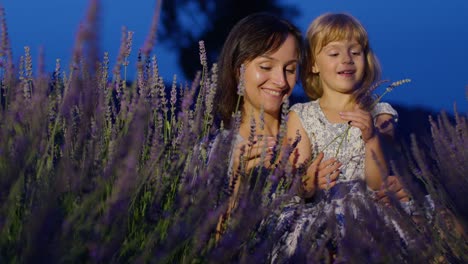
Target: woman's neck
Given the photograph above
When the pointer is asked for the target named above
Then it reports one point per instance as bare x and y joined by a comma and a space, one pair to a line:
270, 126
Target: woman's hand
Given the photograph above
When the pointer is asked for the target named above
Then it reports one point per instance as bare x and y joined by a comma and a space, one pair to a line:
321, 173
249, 154
361, 119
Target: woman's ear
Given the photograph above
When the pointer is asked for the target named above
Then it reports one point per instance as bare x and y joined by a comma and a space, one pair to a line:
315, 68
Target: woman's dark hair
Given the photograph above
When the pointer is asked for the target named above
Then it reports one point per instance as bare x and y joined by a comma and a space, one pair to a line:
253, 36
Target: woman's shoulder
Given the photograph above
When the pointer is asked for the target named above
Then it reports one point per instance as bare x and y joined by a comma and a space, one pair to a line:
227, 135
224, 139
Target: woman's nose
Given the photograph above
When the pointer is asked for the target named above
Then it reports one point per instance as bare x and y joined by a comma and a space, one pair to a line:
279, 79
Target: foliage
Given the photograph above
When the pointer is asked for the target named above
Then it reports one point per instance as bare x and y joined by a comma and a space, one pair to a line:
184, 22
96, 169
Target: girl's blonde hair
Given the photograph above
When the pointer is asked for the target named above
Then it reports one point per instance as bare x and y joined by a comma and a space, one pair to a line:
335, 27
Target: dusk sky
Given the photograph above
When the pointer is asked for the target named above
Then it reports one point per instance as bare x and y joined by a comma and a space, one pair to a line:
424, 40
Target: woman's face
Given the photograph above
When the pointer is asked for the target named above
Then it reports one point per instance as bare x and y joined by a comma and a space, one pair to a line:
270, 78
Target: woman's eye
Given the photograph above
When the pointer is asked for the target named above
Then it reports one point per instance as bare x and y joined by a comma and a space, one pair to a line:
265, 68
292, 70
333, 54
356, 53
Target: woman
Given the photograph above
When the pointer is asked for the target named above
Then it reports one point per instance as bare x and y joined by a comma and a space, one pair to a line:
257, 72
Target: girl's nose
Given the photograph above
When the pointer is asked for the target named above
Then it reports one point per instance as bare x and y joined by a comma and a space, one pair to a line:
348, 59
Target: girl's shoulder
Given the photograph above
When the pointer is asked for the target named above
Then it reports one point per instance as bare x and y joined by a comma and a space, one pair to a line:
308, 113
304, 107
384, 108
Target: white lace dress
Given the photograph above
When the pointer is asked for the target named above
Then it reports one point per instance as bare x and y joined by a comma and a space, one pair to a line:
348, 148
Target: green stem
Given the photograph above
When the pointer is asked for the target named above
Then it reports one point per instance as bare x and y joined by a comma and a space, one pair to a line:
238, 103
342, 135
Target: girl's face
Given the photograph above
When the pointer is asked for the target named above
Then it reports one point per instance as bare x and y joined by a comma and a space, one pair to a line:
270, 78
340, 65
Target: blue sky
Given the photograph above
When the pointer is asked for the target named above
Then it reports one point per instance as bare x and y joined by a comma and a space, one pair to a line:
424, 40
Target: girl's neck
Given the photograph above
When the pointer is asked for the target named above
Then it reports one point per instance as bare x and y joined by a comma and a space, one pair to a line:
331, 106
338, 102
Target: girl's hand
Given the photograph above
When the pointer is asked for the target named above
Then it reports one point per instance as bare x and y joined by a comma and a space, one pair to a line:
249, 154
322, 174
361, 119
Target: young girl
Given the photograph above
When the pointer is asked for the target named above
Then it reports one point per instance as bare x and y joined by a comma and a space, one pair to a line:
339, 128
338, 70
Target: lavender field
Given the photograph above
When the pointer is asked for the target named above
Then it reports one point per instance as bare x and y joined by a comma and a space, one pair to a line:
98, 168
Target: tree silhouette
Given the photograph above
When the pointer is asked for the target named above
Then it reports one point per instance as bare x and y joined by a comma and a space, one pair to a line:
186, 22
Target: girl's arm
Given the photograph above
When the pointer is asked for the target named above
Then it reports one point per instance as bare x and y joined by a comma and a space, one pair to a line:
375, 164
386, 126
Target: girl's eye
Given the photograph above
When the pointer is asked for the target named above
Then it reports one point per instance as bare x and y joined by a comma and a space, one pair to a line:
356, 53
333, 54
265, 68
291, 70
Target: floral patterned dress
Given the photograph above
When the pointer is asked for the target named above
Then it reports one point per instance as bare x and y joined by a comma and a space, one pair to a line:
348, 147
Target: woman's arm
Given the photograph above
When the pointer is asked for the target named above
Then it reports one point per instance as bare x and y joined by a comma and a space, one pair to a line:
244, 157
303, 150
301, 154
319, 173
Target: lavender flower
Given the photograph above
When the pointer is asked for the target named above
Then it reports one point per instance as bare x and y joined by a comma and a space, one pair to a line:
208, 120
241, 85
108, 177
203, 60
122, 53
6, 57
240, 88
151, 37
173, 100
389, 89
